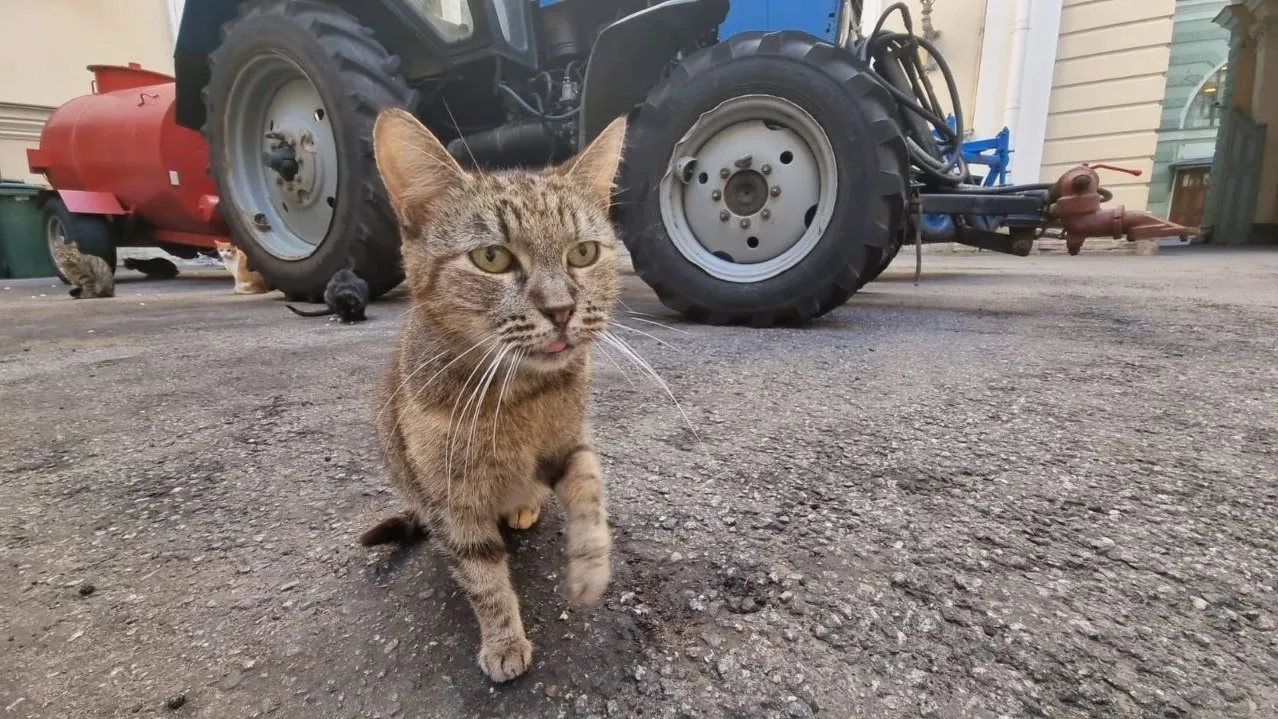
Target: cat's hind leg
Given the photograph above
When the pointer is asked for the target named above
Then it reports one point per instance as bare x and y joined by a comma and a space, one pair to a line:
527, 510
398, 528
408, 525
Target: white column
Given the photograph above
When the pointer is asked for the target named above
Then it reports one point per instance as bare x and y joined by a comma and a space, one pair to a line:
870, 12
1014, 81
1036, 90
986, 116
175, 16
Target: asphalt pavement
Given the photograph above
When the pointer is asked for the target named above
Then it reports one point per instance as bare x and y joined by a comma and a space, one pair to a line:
1024, 487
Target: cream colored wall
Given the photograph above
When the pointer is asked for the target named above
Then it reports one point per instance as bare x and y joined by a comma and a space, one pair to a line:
960, 23
45, 46
1107, 90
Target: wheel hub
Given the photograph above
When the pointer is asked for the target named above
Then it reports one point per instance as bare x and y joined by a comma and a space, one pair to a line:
283, 165
297, 167
751, 188
745, 193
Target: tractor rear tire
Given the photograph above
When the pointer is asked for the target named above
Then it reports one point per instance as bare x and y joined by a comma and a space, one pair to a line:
353, 77
92, 234
877, 269
862, 218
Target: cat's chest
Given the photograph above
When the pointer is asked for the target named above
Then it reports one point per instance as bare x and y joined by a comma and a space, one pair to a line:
546, 426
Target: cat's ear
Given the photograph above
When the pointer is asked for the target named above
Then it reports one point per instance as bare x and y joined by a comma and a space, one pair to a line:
596, 165
416, 168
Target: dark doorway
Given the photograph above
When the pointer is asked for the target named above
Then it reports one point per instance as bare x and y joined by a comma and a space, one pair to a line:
1189, 195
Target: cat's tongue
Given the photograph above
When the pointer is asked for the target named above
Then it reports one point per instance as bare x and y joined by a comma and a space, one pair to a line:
556, 346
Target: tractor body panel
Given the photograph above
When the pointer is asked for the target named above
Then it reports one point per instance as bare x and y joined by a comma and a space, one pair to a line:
630, 55
818, 18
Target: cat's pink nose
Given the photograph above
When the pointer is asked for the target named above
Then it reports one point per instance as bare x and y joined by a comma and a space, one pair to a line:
559, 315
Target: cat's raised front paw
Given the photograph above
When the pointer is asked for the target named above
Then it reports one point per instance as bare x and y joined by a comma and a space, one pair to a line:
523, 518
587, 578
505, 660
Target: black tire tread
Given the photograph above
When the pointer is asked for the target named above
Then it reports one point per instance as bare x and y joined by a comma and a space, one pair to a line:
371, 81
890, 186
93, 234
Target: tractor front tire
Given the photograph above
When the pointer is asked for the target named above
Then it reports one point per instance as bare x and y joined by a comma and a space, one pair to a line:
313, 75
719, 146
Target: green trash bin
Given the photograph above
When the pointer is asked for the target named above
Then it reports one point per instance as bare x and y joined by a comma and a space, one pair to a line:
23, 249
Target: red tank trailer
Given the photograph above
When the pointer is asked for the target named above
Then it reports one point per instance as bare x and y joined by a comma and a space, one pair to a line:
126, 173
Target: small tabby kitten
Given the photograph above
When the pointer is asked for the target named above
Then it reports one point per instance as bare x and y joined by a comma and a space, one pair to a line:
481, 412
247, 282
90, 276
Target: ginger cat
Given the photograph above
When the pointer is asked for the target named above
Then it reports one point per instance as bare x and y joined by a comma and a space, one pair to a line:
481, 412
247, 282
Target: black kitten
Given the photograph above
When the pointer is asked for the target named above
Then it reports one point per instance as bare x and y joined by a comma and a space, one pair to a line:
346, 296
153, 267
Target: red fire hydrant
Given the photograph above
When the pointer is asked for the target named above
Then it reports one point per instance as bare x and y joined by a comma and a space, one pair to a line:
1075, 200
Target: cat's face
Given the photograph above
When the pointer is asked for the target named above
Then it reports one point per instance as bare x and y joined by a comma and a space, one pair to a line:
226, 251
519, 260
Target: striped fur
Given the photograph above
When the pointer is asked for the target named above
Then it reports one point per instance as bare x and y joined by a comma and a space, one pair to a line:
90, 276
479, 417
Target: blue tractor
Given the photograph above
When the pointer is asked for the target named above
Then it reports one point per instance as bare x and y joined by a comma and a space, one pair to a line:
777, 159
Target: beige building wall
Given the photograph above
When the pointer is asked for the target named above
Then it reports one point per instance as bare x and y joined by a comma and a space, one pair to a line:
1107, 90
45, 46
960, 23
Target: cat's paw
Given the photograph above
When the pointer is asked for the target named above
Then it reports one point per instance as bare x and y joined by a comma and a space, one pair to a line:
504, 660
587, 578
524, 517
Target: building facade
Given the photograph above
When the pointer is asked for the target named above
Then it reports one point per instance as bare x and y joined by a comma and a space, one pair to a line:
1192, 113
1242, 202
38, 76
1073, 80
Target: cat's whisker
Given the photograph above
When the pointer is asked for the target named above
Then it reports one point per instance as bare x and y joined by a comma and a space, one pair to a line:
608, 356
410, 309
407, 379
653, 337
450, 435
485, 382
505, 385
433, 377
474, 163
631, 354
659, 324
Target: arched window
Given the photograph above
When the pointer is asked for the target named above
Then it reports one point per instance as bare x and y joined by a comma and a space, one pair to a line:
1204, 109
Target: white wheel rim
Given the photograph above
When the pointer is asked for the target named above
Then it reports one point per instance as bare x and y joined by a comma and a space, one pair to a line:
712, 209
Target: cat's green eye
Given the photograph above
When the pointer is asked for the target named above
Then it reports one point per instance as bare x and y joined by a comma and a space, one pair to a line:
583, 254
493, 258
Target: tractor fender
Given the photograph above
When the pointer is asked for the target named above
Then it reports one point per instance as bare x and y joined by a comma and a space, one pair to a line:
629, 56
199, 33
86, 202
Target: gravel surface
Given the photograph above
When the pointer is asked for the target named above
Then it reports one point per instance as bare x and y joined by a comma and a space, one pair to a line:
1026, 487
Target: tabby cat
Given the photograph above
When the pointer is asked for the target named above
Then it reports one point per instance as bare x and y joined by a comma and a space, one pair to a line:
481, 412
247, 282
90, 276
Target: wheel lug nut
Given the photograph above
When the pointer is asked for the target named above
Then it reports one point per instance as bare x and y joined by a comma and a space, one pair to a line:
766, 214
724, 173
716, 195
745, 223
776, 190
724, 215
767, 169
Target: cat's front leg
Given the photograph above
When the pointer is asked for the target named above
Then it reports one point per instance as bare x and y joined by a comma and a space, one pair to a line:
477, 556
588, 549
